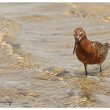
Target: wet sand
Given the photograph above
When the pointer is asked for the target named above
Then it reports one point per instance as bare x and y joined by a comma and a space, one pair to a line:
37, 68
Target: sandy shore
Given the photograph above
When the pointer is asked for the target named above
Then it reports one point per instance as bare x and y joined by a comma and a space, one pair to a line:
37, 68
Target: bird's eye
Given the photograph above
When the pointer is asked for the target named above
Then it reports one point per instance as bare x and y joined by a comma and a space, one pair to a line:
81, 34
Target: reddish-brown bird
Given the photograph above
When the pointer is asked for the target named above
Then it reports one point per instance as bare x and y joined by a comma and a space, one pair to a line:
89, 52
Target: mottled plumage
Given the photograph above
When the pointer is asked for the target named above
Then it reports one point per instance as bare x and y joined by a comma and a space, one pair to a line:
89, 52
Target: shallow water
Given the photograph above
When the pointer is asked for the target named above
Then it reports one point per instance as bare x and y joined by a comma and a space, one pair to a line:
37, 38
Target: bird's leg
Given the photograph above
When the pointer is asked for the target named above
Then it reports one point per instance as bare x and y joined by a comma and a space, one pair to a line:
100, 68
85, 66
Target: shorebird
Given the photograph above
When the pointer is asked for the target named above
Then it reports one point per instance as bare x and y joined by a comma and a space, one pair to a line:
89, 52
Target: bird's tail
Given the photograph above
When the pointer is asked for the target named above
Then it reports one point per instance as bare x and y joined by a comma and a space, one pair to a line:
107, 45
106, 48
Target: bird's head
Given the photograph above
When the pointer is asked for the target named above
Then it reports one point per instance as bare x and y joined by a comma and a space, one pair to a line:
79, 34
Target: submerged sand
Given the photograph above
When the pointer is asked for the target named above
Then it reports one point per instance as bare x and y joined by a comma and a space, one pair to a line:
37, 68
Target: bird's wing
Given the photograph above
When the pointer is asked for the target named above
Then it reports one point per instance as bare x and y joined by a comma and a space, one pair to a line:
102, 49
97, 45
93, 47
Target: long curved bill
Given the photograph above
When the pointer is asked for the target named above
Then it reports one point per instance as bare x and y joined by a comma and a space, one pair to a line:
74, 48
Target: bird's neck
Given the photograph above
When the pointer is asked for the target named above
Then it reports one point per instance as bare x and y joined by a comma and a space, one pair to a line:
83, 44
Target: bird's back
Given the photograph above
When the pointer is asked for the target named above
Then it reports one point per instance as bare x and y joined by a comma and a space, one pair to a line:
90, 52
